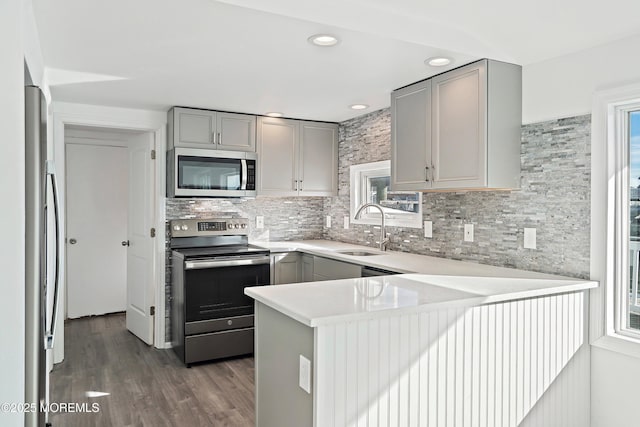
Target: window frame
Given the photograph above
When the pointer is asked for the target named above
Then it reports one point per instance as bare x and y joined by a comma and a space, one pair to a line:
358, 175
609, 252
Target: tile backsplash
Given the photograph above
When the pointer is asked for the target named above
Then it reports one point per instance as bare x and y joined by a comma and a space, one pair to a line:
554, 198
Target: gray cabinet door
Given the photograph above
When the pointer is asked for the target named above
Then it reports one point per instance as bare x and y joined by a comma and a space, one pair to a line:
459, 117
318, 167
287, 268
236, 132
277, 141
192, 128
307, 268
330, 269
411, 137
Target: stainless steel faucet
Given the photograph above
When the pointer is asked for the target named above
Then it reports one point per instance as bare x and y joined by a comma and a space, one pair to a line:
384, 239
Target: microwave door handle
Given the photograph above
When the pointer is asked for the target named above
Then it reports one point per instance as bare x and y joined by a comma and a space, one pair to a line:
243, 164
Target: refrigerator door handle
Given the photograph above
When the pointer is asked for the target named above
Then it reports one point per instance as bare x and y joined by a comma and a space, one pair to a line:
49, 335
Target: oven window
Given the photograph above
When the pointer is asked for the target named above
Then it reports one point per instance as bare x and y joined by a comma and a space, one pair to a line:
209, 173
214, 293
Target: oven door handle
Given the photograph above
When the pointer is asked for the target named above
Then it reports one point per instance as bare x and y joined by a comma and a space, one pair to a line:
196, 265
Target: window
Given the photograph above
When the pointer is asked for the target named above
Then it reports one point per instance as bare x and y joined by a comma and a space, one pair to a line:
631, 130
615, 220
370, 184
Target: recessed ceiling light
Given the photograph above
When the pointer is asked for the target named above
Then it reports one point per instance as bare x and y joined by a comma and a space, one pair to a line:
438, 61
359, 106
323, 40
274, 114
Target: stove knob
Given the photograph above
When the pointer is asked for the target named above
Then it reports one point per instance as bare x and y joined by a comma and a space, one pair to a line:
244, 226
176, 227
184, 227
236, 226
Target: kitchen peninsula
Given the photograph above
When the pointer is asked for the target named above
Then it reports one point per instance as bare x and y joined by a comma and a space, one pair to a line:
484, 346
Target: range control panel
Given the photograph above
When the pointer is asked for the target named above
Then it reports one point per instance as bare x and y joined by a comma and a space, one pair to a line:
209, 227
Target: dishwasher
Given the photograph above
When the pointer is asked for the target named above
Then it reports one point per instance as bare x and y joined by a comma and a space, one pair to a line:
373, 271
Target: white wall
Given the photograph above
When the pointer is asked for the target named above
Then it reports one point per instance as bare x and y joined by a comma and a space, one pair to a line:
12, 213
614, 388
564, 86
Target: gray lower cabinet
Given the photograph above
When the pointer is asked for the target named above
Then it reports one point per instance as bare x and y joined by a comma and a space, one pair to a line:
294, 267
459, 129
194, 128
330, 269
307, 268
297, 158
286, 268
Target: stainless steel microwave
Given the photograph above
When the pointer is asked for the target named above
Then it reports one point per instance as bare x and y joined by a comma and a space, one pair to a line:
197, 172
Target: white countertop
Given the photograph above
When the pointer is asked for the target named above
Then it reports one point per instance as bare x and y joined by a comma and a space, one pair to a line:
440, 283
320, 303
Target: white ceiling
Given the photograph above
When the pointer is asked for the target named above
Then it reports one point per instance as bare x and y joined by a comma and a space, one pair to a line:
253, 56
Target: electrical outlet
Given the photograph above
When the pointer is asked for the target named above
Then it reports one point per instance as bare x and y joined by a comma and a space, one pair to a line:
468, 232
305, 374
346, 222
530, 238
259, 222
428, 229
328, 221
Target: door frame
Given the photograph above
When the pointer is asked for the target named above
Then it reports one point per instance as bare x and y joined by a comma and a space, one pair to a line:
63, 114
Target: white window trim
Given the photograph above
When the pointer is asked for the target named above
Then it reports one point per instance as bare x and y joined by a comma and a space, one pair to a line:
609, 254
373, 218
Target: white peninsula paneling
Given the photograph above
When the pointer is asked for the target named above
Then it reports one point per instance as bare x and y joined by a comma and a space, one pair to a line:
506, 364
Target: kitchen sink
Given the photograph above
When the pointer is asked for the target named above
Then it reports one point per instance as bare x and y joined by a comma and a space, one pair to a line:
359, 253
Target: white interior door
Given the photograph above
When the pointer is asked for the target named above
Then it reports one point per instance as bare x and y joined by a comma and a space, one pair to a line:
97, 206
140, 289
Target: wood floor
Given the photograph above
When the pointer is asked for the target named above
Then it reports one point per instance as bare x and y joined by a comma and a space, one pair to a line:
147, 386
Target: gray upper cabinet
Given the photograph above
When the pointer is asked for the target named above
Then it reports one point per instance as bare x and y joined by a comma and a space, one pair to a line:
318, 168
463, 128
411, 126
195, 128
297, 158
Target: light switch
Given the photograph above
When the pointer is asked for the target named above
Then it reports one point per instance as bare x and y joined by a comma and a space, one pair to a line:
468, 232
305, 374
328, 221
428, 229
346, 222
530, 238
259, 222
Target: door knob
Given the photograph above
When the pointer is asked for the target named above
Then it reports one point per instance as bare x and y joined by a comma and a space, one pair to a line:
73, 241
125, 243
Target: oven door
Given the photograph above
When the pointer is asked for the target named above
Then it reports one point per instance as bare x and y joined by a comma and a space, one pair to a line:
214, 287
211, 173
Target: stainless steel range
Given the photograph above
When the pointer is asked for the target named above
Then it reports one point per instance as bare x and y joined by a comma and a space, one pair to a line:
212, 263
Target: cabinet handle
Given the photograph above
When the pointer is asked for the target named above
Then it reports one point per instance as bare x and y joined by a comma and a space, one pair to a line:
213, 137
426, 173
295, 184
219, 138
433, 172
300, 185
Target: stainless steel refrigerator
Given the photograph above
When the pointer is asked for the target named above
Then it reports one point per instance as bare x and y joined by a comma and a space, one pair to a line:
41, 284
